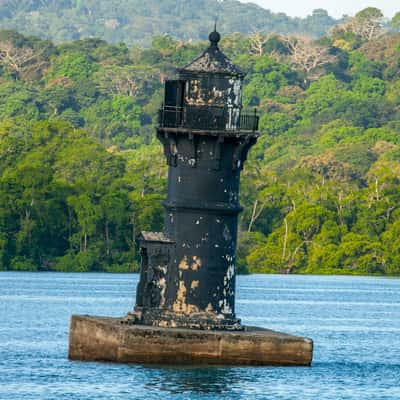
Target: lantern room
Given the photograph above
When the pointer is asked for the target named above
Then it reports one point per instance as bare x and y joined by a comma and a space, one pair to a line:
207, 94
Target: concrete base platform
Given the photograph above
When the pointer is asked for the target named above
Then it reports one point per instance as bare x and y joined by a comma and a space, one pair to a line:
106, 339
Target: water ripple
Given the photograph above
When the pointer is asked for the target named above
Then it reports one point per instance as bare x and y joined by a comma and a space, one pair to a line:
354, 321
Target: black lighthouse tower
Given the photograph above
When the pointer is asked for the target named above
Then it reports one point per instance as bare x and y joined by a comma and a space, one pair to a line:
187, 277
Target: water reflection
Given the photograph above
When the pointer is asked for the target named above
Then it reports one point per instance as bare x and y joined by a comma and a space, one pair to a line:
200, 380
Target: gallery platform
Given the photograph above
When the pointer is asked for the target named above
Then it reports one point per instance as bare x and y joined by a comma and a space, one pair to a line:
108, 339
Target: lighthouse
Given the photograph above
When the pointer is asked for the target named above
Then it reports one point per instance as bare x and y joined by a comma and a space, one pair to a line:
187, 276
185, 298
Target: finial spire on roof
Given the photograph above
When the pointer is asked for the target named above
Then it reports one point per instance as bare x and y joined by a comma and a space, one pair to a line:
214, 36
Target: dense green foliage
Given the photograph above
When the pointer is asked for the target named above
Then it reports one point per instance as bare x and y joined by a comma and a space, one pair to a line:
81, 173
136, 21
68, 204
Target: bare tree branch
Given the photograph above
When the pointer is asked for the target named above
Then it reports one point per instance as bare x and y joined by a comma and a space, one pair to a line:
19, 60
257, 42
308, 57
255, 214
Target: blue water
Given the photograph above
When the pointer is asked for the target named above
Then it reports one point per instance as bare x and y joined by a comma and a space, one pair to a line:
354, 321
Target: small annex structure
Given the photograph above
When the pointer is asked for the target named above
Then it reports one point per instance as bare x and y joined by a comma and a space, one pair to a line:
185, 299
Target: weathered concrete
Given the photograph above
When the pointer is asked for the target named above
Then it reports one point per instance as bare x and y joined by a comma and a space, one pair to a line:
106, 339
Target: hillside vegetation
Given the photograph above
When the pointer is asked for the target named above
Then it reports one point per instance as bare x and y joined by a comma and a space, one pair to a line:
136, 21
81, 173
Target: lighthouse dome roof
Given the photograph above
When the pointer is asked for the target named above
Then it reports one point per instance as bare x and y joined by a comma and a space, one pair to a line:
213, 60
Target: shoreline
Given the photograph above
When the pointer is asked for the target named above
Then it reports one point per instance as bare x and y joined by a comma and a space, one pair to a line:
249, 274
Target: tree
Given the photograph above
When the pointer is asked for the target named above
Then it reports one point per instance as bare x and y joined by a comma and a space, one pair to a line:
366, 24
128, 81
19, 60
391, 243
395, 22
87, 214
258, 40
113, 119
308, 57
73, 65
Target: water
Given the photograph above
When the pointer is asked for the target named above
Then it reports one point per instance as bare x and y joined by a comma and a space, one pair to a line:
354, 321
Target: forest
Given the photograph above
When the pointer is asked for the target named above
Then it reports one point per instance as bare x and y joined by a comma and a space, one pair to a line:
135, 22
81, 173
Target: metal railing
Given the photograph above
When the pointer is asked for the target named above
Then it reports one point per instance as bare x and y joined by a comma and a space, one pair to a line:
207, 118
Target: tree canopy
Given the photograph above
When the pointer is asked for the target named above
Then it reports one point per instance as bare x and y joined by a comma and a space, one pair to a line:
135, 22
81, 172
